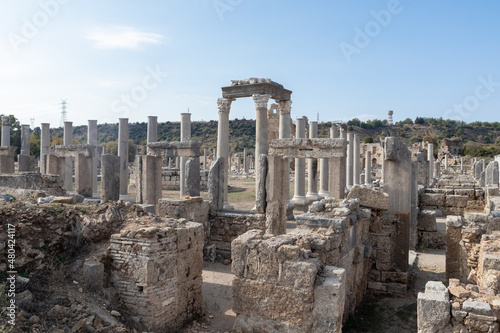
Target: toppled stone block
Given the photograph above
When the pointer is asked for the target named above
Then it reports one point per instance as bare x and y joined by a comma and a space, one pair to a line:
369, 198
433, 308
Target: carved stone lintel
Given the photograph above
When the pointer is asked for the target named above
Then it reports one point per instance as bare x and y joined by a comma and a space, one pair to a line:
261, 101
285, 107
224, 104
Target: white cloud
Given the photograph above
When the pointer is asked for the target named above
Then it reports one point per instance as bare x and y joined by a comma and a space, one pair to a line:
123, 38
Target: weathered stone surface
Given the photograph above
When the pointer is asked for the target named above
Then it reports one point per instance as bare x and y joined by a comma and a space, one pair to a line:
51, 184
260, 201
329, 298
492, 174
433, 307
396, 149
93, 276
459, 291
426, 220
369, 198
110, 177
193, 176
216, 184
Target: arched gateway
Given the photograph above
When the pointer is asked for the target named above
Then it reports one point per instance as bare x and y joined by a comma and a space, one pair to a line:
261, 90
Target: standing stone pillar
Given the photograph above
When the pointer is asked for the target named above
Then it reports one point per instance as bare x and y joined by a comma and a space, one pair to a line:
312, 167
245, 162
68, 140
123, 153
185, 136
261, 135
23, 158
356, 161
224, 105
284, 108
462, 165
5, 131
152, 135
446, 162
414, 205
437, 169
398, 185
430, 158
92, 140
337, 179
368, 168
25, 140
324, 168
205, 159
350, 159
110, 173
343, 133
44, 147
83, 175
299, 198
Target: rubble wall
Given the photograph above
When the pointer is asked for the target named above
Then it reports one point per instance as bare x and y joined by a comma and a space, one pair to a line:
171, 179
453, 201
31, 181
157, 271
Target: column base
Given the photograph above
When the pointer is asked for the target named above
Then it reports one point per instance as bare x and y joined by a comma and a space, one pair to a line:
301, 204
289, 210
323, 194
227, 206
313, 197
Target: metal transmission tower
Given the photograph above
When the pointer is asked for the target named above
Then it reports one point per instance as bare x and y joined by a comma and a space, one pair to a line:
63, 112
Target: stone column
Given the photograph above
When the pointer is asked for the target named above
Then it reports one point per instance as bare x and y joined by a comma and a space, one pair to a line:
185, 136
110, 172
337, 181
430, 158
123, 153
245, 162
44, 146
83, 175
152, 129
5, 131
334, 132
356, 160
284, 108
312, 167
350, 159
92, 140
68, 140
261, 135
25, 140
224, 105
398, 185
368, 168
299, 198
446, 162
205, 159
343, 133
462, 165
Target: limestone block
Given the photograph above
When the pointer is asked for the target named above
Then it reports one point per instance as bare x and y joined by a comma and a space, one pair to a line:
369, 198
426, 220
93, 275
492, 174
456, 201
329, 298
433, 308
432, 199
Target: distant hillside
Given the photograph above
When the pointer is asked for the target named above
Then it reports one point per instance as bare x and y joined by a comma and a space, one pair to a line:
480, 138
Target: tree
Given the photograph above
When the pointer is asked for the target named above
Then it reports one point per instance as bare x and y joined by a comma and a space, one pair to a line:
112, 149
35, 142
419, 121
368, 139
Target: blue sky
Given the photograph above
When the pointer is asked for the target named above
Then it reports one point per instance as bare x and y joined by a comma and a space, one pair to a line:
341, 59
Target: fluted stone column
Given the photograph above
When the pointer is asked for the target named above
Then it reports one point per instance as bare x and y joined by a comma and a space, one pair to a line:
224, 105
92, 140
44, 146
123, 136
5, 131
356, 160
152, 129
185, 136
25, 140
68, 170
299, 198
430, 158
349, 160
262, 137
312, 167
368, 168
284, 108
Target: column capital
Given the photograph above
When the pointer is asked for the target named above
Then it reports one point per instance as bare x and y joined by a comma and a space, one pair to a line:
5, 121
261, 100
284, 107
224, 104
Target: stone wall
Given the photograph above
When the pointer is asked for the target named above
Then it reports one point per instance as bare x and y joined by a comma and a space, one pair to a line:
227, 226
281, 284
155, 266
193, 209
31, 181
170, 179
453, 201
